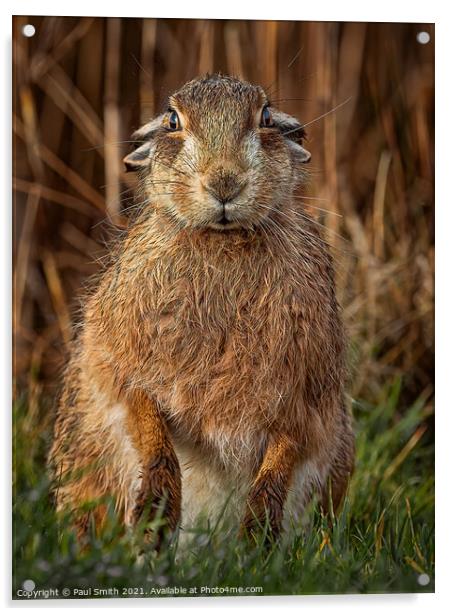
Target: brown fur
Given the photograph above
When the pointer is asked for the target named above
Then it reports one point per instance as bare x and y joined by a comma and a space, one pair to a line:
220, 337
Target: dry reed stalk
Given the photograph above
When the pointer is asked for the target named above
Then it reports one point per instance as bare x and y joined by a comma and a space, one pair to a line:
327, 95
112, 128
30, 131
55, 196
266, 50
57, 295
206, 47
85, 154
350, 65
233, 49
148, 48
379, 204
23, 253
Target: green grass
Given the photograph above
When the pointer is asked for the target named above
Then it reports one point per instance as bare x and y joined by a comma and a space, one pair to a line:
382, 541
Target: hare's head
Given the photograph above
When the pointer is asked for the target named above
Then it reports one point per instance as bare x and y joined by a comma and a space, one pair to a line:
220, 156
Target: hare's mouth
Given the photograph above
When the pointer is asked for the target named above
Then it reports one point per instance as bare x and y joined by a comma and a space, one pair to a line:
223, 220
223, 223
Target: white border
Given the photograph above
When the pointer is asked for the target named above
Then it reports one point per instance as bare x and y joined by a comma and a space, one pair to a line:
346, 10
389, 10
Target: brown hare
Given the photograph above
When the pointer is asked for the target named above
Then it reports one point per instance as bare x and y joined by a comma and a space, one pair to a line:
210, 362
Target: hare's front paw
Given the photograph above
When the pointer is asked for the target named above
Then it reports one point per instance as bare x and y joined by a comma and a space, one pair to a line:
264, 510
159, 497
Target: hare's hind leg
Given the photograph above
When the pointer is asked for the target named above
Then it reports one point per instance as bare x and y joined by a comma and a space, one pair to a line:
81, 489
113, 447
341, 470
93, 458
322, 478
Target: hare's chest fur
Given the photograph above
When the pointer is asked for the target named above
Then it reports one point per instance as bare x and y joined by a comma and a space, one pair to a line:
223, 342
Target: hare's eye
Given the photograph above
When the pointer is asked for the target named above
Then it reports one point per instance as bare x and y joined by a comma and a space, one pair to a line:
173, 121
266, 118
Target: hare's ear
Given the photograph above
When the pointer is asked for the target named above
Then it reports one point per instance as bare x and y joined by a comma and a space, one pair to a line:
139, 158
294, 132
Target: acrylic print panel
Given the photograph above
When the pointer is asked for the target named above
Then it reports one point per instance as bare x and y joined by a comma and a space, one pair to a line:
223, 307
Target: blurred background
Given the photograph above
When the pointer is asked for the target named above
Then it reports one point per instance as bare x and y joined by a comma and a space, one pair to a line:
366, 91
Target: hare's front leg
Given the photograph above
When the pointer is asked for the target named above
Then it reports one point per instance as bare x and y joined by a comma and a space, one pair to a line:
268, 494
160, 488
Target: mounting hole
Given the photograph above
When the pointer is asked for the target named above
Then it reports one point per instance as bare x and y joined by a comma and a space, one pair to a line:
423, 579
29, 585
423, 38
29, 30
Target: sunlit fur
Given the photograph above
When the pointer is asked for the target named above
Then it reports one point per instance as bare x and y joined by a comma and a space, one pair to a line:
230, 332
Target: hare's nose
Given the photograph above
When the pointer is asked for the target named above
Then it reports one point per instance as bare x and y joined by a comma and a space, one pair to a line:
224, 185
